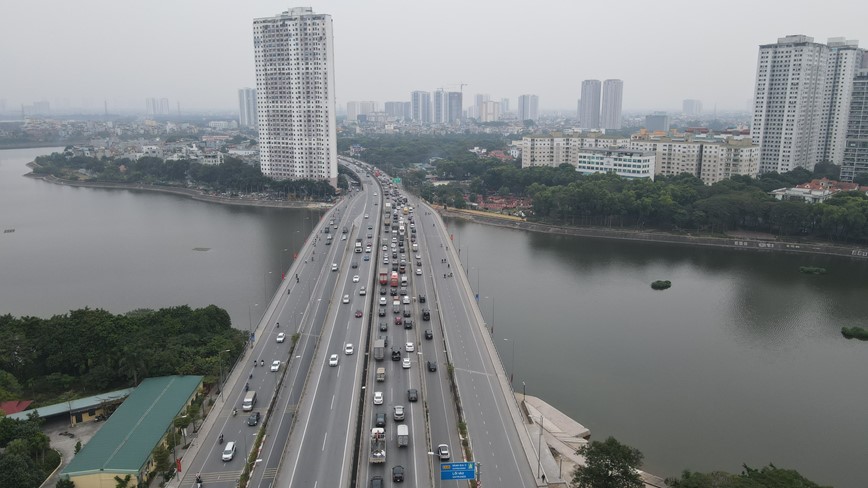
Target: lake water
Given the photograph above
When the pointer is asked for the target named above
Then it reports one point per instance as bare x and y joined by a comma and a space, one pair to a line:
741, 361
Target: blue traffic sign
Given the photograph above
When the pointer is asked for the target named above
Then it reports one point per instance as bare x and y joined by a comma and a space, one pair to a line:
457, 471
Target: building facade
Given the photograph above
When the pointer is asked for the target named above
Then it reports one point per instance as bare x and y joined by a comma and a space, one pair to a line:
456, 107
855, 160
247, 108
420, 107
355, 109
657, 122
490, 111
801, 101
440, 107
627, 163
295, 95
610, 109
589, 105
528, 107
691, 107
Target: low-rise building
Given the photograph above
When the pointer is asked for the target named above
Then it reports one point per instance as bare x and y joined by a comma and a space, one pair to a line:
627, 163
815, 191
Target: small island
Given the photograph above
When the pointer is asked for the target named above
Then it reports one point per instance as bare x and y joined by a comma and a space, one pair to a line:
855, 333
812, 270
661, 284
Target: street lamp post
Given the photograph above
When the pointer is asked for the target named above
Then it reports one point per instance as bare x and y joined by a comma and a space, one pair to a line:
512, 363
222, 379
264, 287
250, 323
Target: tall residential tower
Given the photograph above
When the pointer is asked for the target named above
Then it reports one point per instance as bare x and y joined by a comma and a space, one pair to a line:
610, 111
528, 107
589, 105
295, 95
247, 107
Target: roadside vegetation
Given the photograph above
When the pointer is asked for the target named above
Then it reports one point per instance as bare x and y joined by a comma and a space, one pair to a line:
26, 459
90, 351
855, 333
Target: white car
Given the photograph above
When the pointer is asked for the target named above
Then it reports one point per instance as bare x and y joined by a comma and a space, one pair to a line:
346, 299
406, 299
348, 349
418, 271
355, 278
378, 398
382, 301
366, 215
344, 237
405, 363
409, 347
281, 337
333, 360
363, 291
385, 248
275, 366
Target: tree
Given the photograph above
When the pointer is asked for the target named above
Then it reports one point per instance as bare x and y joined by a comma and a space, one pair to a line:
162, 463
123, 482
609, 464
768, 476
64, 483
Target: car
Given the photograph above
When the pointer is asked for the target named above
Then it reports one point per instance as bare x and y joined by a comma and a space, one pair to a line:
383, 290
385, 260
385, 248
383, 301
377, 481
418, 256
368, 249
333, 360
396, 354
422, 299
405, 363
275, 365
403, 291
405, 300
229, 451
281, 337
418, 271
393, 292
432, 366
334, 266
378, 398
408, 323
380, 419
382, 312
344, 237
346, 299
253, 419
412, 395
348, 349
443, 452
429, 334
426, 314
363, 291
366, 258
399, 413
359, 314
398, 320
398, 474
418, 263
370, 227
354, 265
366, 215
384, 326
355, 278
376, 194
409, 347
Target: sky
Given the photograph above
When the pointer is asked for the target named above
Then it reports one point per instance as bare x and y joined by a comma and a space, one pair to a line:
78, 54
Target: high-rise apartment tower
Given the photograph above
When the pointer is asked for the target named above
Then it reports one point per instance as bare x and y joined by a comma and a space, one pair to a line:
610, 111
247, 107
589, 105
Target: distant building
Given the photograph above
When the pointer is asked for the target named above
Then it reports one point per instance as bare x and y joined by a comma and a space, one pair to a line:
490, 112
395, 109
657, 122
504, 105
440, 107
247, 107
610, 110
420, 106
815, 191
856, 147
355, 109
589, 105
802, 100
456, 106
480, 99
627, 163
528, 107
691, 108
295, 90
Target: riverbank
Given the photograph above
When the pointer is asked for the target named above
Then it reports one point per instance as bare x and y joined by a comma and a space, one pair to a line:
743, 241
187, 192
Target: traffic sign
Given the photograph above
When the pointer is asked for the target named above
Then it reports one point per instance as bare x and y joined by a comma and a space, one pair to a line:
457, 471
396, 181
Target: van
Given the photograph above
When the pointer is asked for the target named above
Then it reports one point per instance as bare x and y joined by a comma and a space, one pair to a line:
381, 374
229, 451
249, 401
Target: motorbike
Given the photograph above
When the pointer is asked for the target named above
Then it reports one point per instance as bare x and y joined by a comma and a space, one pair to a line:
246, 386
278, 325
234, 412
262, 362
220, 439
255, 364
198, 481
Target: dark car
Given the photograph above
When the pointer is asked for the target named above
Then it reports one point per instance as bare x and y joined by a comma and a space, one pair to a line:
429, 334
426, 314
393, 292
377, 482
403, 291
432, 366
408, 323
398, 474
253, 419
384, 326
422, 299
396, 354
407, 311
382, 311
382, 290
380, 420
354, 265
412, 395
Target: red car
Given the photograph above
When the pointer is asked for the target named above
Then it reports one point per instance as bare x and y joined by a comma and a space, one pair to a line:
398, 320
358, 313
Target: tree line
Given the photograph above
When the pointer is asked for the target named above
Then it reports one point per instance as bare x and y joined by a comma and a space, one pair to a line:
26, 458
234, 175
88, 351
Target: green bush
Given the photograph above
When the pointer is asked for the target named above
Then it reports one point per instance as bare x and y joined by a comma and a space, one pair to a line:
855, 333
661, 284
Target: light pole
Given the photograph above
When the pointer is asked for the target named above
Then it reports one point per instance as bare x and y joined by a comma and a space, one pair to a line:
250, 323
512, 363
264, 286
222, 380
286, 267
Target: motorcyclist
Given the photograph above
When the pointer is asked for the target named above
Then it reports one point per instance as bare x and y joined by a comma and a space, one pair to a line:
255, 364
262, 362
246, 386
221, 438
278, 325
234, 412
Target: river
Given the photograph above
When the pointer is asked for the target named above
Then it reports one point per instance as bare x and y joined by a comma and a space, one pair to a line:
741, 361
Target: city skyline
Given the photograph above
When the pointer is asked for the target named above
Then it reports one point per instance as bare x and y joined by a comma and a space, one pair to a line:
371, 64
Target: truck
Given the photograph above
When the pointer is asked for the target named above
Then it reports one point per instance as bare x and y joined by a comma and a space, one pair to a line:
379, 349
393, 280
381, 374
384, 276
359, 245
378, 445
403, 435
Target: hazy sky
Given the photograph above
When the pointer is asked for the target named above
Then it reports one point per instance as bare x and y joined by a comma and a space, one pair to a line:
199, 52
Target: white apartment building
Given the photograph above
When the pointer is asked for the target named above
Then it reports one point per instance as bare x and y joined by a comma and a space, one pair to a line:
801, 101
490, 111
295, 95
856, 151
627, 163
557, 148
610, 110
247, 107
